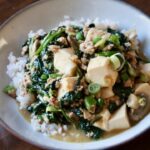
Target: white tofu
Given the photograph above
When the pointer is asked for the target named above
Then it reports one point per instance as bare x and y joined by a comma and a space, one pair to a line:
103, 122
146, 68
66, 85
64, 63
106, 92
119, 120
100, 71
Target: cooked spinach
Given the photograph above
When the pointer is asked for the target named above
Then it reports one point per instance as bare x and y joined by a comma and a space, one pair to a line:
70, 97
122, 38
89, 129
121, 91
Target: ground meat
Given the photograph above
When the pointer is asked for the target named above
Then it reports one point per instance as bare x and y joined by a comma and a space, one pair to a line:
62, 40
129, 83
131, 55
54, 48
87, 47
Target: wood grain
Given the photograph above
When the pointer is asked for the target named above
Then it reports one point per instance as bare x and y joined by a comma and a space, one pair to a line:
8, 141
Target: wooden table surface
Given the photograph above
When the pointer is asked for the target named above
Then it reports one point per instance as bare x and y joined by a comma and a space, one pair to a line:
8, 141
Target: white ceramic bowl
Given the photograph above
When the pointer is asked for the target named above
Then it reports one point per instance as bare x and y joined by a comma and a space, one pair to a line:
46, 14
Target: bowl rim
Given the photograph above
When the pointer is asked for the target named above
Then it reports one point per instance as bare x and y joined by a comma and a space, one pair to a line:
13, 132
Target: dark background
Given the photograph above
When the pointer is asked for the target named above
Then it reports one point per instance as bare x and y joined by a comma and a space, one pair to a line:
8, 141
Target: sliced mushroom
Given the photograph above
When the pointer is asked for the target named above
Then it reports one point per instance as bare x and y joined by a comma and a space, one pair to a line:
132, 101
143, 92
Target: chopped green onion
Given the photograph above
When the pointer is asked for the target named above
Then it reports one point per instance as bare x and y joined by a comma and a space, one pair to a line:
89, 102
80, 36
44, 77
100, 43
50, 108
100, 102
96, 39
106, 53
10, 90
115, 39
131, 70
115, 61
55, 75
94, 88
118, 61
48, 38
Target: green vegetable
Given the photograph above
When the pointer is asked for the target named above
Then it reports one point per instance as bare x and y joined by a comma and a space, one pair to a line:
89, 102
112, 107
80, 36
87, 127
115, 61
96, 39
118, 61
10, 90
100, 102
49, 38
50, 108
124, 76
121, 91
106, 53
122, 37
70, 97
93, 88
55, 75
44, 77
37, 108
131, 70
115, 39
100, 43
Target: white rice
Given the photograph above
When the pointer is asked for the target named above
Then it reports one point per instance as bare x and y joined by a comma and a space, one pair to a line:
15, 70
47, 129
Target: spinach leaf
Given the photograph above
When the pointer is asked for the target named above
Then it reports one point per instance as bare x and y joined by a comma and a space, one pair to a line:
88, 128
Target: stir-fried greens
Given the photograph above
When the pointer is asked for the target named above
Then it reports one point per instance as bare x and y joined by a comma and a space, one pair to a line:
87, 77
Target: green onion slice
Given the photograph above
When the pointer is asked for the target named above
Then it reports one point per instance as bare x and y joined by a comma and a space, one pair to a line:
96, 39
118, 61
93, 88
89, 102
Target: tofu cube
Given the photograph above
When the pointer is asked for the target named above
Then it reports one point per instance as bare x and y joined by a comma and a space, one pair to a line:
100, 71
63, 62
67, 84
